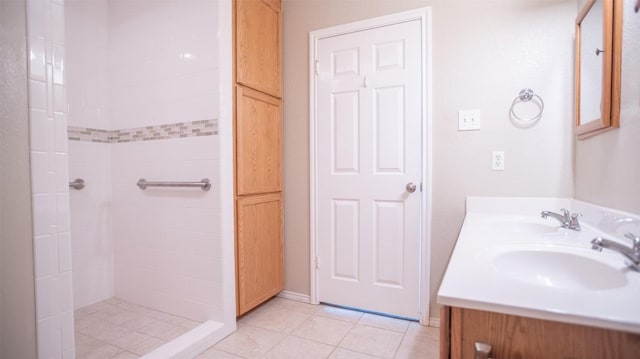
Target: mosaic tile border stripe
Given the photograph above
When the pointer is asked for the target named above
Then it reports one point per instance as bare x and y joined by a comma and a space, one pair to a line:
147, 133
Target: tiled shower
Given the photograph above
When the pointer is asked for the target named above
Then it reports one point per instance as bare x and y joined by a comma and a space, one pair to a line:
119, 91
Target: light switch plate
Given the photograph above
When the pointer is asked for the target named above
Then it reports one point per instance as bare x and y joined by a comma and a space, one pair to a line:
469, 120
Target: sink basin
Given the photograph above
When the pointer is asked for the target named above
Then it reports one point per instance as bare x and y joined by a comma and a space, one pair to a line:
561, 270
522, 227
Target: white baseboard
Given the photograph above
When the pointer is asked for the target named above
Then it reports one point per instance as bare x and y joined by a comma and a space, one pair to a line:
298, 297
434, 322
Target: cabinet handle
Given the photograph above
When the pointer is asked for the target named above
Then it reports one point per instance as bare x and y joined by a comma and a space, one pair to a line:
482, 350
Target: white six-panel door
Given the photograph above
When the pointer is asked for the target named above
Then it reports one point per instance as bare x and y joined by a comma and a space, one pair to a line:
369, 131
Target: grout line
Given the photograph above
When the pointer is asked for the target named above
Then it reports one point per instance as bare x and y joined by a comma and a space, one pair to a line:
353, 325
333, 351
399, 345
317, 314
111, 305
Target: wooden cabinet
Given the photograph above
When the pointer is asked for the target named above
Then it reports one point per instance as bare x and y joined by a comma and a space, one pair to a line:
258, 152
259, 250
258, 142
258, 36
518, 337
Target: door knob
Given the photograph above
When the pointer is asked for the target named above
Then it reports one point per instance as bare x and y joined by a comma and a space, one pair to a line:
411, 187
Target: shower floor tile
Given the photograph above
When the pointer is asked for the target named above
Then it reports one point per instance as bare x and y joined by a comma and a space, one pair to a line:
115, 328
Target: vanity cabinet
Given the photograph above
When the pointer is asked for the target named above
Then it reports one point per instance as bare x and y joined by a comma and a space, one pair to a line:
519, 337
258, 152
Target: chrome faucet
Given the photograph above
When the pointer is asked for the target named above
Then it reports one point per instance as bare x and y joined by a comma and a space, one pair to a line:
632, 253
564, 218
574, 223
567, 219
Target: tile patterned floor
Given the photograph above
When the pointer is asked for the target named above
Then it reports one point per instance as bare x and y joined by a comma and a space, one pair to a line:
283, 329
115, 328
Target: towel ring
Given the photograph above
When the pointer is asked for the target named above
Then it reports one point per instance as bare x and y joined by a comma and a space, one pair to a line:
526, 95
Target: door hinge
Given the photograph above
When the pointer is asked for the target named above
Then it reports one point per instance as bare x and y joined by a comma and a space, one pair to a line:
420, 186
317, 262
315, 67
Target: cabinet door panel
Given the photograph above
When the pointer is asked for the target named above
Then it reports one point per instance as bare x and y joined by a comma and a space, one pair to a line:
258, 143
520, 337
258, 45
259, 250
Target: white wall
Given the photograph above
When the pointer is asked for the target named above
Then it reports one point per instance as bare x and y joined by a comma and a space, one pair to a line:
168, 248
163, 62
87, 63
87, 80
133, 65
484, 53
91, 222
49, 165
164, 70
17, 298
607, 166
49, 179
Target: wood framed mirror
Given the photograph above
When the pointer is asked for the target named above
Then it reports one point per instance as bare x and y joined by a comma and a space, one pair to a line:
597, 68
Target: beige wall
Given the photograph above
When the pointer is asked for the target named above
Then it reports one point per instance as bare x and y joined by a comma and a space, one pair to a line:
607, 166
484, 53
17, 298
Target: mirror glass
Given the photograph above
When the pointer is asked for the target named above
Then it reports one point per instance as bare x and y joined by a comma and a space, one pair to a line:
591, 65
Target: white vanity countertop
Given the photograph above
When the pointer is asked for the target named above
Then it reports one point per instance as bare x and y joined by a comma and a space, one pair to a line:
508, 259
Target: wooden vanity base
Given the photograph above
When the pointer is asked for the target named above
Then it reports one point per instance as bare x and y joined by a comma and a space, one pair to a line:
515, 337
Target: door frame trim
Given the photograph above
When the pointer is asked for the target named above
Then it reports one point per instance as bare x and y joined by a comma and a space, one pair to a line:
424, 16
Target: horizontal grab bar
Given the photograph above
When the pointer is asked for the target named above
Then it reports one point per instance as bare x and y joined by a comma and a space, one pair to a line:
77, 183
205, 184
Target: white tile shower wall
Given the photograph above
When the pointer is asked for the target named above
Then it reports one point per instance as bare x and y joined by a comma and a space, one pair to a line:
164, 69
87, 50
225, 152
163, 62
49, 163
91, 225
87, 59
167, 243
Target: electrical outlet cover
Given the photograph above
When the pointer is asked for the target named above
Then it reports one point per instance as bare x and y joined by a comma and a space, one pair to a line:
497, 161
